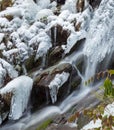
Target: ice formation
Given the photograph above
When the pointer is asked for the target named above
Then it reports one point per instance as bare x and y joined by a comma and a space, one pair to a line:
56, 83
20, 88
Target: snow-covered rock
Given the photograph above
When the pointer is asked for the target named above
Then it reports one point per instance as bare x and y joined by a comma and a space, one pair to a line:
6, 69
20, 89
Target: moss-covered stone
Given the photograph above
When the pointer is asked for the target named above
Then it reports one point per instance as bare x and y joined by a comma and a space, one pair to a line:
44, 125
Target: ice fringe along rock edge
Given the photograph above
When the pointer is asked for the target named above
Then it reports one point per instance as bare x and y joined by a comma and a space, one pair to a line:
20, 88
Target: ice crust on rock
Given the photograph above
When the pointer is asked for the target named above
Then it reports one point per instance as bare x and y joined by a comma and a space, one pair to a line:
56, 83
20, 88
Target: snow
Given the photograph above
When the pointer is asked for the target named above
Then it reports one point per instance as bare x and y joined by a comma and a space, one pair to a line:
43, 14
20, 88
5, 67
9, 68
43, 3
1, 37
4, 22
108, 110
56, 83
69, 4
73, 38
92, 125
101, 28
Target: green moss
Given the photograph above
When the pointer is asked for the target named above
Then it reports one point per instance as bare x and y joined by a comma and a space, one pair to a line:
44, 125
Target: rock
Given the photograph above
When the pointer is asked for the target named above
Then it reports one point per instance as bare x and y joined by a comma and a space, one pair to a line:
5, 3
81, 63
77, 26
41, 88
75, 82
60, 127
30, 63
80, 5
94, 3
59, 35
1, 55
77, 46
55, 55
14, 98
9, 17
82, 120
5, 101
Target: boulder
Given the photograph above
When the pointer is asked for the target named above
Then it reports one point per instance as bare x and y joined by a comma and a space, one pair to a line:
57, 76
76, 47
59, 35
14, 98
55, 55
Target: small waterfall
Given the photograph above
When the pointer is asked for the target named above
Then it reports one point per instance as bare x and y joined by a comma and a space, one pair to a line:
98, 46
99, 43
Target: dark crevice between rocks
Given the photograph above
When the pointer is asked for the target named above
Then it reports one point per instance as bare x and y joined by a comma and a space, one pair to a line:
81, 63
94, 3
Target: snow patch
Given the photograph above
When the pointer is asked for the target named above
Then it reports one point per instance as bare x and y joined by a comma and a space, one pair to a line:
92, 125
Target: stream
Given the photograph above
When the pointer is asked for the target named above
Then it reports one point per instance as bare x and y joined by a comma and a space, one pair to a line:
97, 52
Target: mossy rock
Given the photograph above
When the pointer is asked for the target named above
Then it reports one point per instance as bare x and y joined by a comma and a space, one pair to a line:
44, 125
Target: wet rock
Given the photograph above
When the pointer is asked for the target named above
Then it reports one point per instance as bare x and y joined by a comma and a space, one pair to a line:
82, 120
77, 46
1, 55
59, 35
5, 101
55, 55
60, 127
75, 83
30, 63
41, 93
80, 5
81, 63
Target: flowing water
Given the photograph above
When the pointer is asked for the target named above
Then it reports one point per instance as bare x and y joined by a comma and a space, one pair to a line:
98, 46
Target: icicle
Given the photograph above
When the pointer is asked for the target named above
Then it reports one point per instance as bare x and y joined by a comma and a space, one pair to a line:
56, 83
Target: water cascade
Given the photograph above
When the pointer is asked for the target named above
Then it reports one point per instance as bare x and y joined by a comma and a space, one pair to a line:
96, 51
